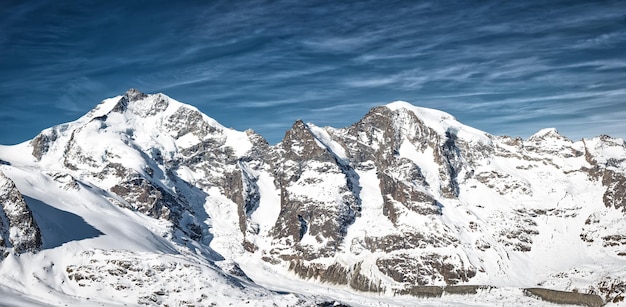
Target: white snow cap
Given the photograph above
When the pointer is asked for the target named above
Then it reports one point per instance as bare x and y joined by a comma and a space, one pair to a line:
442, 122
545, 133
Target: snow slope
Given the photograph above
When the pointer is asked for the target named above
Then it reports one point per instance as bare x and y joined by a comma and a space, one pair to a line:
147, 201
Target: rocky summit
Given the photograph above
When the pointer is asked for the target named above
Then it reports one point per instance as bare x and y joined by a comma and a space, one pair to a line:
145, 200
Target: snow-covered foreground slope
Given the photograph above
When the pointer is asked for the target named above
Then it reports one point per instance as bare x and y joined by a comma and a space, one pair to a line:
95, 253
145, 200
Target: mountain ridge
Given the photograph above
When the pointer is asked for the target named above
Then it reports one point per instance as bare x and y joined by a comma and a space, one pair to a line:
406, 198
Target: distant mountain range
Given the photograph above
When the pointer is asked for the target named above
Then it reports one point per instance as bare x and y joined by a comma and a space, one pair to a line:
146, 201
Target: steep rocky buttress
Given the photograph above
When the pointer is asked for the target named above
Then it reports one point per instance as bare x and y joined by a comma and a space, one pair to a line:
18, 229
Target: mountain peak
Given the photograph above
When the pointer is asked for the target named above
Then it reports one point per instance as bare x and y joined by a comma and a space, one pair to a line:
420, 111
134, 94
441, 122
141, 104
546, 133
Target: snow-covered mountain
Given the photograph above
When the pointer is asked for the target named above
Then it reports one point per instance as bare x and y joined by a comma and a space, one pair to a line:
145, 200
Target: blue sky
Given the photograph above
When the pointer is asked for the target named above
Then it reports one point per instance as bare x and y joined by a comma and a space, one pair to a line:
506, 68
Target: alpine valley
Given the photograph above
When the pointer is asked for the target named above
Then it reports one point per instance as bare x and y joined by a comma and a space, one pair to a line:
146, 201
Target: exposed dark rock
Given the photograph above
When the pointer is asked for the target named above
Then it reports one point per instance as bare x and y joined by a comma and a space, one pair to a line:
150, 199
233, 189
422, 291
114, 169
615, 182
615, 195
299, 145
299, 152
121, 105
67, 180
408, 240
331, 304
134, 94
465, 289
426, 269
333, 274
250, 196
563, 297
18, 228
435, 291
42, 142
451, 165
611, 289
130, 96
390, 209
614, 240
155, 201
405, 194
360, 282
186, 120
372, 138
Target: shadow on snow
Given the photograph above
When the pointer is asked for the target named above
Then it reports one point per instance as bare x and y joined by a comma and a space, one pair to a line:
59, 227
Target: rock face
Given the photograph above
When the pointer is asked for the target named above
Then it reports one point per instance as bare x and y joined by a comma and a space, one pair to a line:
404, 199
142, 148
316, 223
18, 229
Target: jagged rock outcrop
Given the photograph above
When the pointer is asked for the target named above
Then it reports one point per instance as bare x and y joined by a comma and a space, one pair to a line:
318, 223
18, 228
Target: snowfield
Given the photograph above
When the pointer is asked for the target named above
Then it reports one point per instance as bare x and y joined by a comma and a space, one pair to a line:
147, 201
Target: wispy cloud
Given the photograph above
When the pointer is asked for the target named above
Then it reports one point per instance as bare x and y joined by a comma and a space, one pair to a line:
602, 40
342, 107
505, 67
